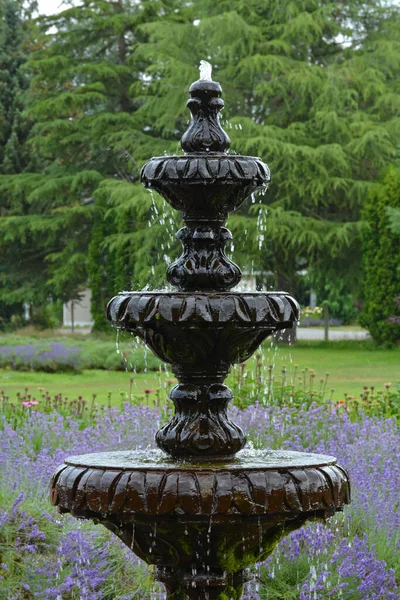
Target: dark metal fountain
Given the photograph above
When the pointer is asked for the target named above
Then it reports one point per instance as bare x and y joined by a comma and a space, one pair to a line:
202, 509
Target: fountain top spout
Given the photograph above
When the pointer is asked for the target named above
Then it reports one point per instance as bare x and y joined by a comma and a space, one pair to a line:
205, 71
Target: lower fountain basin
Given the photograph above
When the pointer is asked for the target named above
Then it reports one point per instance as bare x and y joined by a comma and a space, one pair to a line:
202, 525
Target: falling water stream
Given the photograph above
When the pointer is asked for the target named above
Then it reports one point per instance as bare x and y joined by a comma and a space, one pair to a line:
161, 214
270, 350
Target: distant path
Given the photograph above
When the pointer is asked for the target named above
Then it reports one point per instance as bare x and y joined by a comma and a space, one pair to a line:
317, 333
78, 330
303, 333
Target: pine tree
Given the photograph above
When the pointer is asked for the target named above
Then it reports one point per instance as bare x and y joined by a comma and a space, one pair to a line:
86, 133
312, 88
22, 264
14, 126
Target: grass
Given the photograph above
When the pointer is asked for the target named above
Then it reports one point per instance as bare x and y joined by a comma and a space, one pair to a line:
84, 384
350, 365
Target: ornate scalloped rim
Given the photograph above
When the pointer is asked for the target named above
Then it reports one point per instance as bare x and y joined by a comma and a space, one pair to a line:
205, 493
245, 308
206, 168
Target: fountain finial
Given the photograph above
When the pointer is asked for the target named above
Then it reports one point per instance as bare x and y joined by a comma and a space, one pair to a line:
205, 133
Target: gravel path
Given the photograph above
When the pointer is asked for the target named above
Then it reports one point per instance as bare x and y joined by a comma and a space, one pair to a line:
313, 333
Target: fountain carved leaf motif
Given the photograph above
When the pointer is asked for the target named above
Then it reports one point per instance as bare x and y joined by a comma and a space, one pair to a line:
128, 493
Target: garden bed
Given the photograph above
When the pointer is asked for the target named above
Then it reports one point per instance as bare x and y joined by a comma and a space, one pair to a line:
354, 555
55, 355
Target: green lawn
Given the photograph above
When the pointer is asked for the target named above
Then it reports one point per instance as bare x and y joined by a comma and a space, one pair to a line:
84, 384
350, 367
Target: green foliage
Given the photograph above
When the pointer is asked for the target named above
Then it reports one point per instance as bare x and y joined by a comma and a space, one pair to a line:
21, 264
252, 383
394, 216
338, 289
318, 111
310, 86
87, 135
14, 126
45, 239
130, 256
56, 355
381, 311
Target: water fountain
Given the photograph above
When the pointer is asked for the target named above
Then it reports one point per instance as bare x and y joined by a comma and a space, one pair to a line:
202, 509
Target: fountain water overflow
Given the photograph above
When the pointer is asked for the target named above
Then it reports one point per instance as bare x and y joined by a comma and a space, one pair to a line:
202, 509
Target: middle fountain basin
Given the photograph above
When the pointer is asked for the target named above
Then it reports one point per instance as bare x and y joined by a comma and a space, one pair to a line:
195, 328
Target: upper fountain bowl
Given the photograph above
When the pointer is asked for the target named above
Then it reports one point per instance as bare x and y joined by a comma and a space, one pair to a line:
205, 184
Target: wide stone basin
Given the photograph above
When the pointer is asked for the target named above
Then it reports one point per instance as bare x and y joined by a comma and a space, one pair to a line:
218, 518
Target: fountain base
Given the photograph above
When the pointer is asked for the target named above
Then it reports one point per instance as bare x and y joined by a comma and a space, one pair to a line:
201, 525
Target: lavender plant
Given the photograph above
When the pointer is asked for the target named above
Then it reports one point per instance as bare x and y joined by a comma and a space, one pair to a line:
56, 358
55, 355
354, 556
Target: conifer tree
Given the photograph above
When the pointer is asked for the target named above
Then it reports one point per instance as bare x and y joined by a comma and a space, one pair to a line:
381, 251
21, 268
14, 126
310, 86
86, 134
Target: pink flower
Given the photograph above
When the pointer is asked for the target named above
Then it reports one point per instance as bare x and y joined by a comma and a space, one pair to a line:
27, 404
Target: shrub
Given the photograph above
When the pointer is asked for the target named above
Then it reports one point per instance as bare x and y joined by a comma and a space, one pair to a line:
381, 248
53, 358
30, 354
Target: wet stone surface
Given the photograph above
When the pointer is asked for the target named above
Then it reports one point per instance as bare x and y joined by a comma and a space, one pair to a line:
127, 484
201, 523
132, 460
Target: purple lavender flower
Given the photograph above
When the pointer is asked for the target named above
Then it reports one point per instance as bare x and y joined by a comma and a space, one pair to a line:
57, 357
353, 556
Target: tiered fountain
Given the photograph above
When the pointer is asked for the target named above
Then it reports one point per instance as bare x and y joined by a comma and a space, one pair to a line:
202, 509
